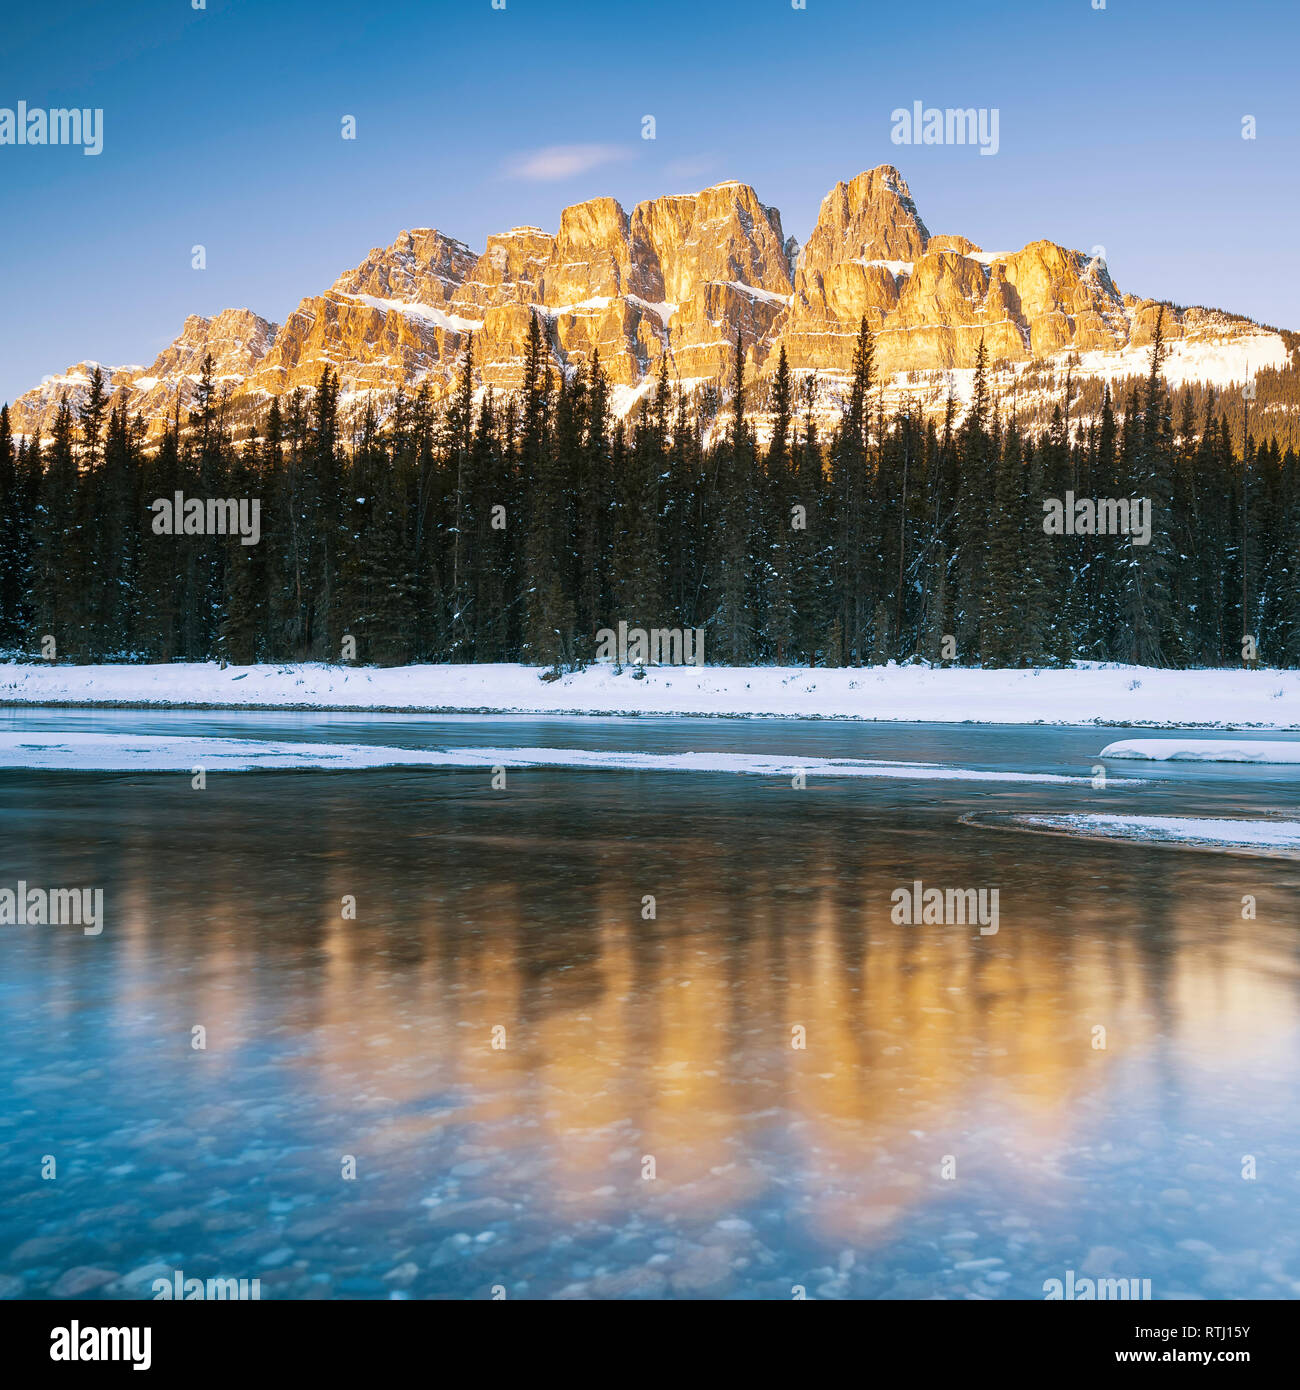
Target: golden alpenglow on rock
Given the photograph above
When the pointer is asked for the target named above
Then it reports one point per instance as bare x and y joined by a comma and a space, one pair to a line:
675, 282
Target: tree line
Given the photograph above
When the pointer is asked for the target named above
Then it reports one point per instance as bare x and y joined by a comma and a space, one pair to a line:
515, 526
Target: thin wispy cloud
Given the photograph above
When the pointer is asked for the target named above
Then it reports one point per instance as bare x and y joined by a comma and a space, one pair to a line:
692, 168
563, 161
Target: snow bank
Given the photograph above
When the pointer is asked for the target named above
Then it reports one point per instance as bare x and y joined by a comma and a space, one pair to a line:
1086, 694
1220, 362
1185, 830
1177, 750
140, 752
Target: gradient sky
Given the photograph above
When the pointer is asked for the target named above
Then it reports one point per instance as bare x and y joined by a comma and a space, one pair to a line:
1119, 127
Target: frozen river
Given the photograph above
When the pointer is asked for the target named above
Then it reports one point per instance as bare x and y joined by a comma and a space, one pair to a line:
543, 1089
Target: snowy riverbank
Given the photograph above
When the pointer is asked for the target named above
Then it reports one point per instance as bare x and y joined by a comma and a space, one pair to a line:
1204, 750
1192, 832
1086, 694
152, 753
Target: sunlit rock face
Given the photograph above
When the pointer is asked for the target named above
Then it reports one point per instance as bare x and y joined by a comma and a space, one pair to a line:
669, 285
933, 299
237, 340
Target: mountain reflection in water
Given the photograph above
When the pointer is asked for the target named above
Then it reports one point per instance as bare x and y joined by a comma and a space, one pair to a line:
930, 1050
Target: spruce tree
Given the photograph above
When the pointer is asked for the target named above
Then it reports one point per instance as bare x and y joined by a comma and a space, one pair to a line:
969, 525
15, 530
779, 612
548, 608
1004, 636
733, 625
852, 566
1148, 612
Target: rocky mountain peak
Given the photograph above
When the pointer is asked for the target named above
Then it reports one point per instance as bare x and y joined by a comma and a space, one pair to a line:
673, 282
421, 266
871, 219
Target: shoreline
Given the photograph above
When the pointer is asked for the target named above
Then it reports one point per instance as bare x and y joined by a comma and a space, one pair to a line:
1085, 695
489, 712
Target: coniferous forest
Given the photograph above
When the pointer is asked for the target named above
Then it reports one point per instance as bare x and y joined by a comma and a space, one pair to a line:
513, 527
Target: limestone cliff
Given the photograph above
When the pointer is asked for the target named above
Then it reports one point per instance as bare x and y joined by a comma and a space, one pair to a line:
675, 279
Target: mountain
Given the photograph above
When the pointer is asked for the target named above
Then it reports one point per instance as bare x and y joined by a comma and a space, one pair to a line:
676, 280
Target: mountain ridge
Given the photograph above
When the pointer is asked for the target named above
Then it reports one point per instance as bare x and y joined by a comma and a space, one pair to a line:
672, 282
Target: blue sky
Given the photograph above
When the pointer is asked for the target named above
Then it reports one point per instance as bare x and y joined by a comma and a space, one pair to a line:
1119, 127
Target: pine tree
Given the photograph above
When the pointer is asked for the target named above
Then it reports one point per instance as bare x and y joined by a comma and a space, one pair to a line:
636, 583
729, 583
809, 542
1147, 619
117, 540
244, 607
853, 551
376, 585
779, 608
460, 432
969, 525
938, 619
683, 520
1039, 637
56, 591
15, 531
549, 611
1004, 638
328, 513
